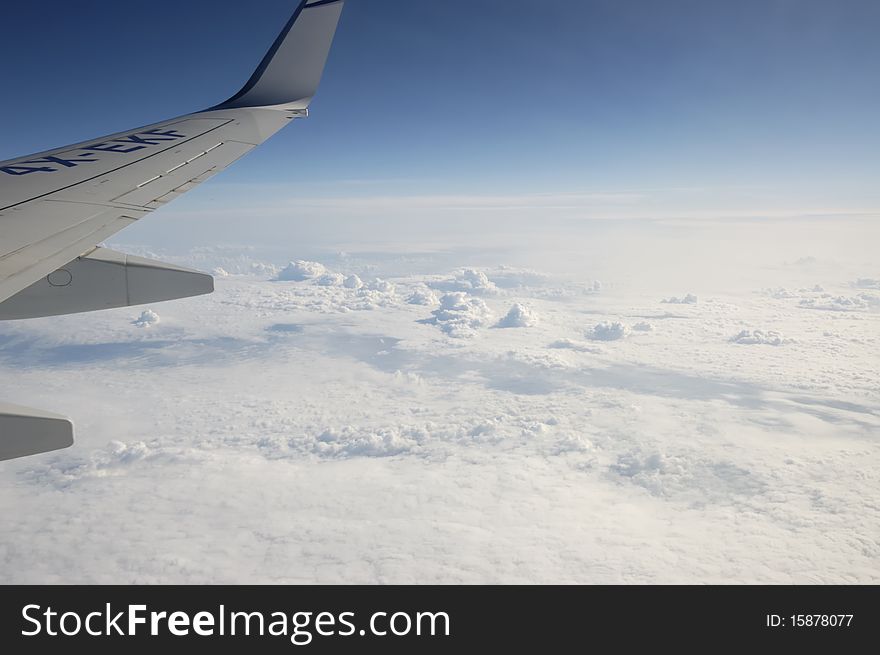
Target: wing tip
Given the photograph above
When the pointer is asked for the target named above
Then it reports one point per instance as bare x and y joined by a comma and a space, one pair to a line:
289, 73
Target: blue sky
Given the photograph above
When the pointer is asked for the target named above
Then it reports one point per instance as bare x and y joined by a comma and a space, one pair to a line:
754, 104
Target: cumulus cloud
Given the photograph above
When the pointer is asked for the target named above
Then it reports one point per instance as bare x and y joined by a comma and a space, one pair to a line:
509, 277
330, 280
148, 318
859, 303
689, 299
375, 295
519, 316
607, 331
643, 326
382, 286
866, 283
262, 269
300, 271
752, 337
353, 282
469, 280
781, 293
422, 296
460, 315
352, 441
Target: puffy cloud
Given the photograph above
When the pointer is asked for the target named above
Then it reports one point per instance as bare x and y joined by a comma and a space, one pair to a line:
861, 302
148, 318
469, 280
519, 316
752, 337
643, 326
353, 282
866, 283
781, 293
508, 277
355, 442
301, 270
330, 280
422, 296
608, 331
263, 269
382, 286
689, 299
460, 315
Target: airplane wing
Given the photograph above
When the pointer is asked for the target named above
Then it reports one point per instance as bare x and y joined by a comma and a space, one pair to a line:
56, 206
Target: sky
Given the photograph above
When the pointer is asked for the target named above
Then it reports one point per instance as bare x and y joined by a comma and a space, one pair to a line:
609, 108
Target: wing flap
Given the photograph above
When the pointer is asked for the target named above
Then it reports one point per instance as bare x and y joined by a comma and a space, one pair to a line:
21, 269
104, 279
192, 170
25, 431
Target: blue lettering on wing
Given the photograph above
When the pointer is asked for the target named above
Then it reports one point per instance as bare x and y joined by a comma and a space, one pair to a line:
67, 163
113, 147
122, 145
24, 170
151, 137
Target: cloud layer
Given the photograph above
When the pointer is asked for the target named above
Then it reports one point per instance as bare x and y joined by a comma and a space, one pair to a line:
362, 420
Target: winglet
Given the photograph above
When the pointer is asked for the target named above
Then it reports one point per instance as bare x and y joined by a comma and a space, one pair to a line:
289, 74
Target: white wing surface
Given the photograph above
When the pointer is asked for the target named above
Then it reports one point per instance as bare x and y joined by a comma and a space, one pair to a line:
58, 205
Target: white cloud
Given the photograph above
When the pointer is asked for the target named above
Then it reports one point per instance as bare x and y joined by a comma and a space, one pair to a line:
148, 318
263, 269
781, 293
608, 331
689, 299
422, 295
768, 337
643, 326
330, 280
300, 271
508, 277
354, 442
353, 282
828, 302
460, 315
469, 280
519, 316
382, 286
